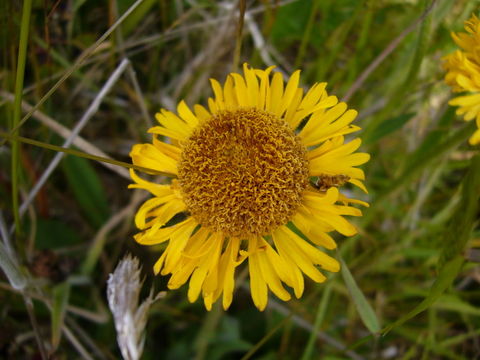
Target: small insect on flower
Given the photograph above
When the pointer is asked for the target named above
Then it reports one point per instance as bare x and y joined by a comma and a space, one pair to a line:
463, 74
243, 173
325, 182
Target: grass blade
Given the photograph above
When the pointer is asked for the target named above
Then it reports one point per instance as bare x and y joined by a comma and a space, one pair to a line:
455, 239
445, 279
61, 294
460, 228
76, 65
422, 157
322, 309
81, 154
11, 269
87, 189
382, 120
364, 309
17, 107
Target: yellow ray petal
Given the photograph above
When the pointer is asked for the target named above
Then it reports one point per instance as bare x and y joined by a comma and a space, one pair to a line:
308, 226
207, 263
264, 90
358, 183
211, 280
229, 94
159, 263
228, 266
258, 286
169, 121
218, 92
178, 240
162, 214
291, 265
316, 256
156, 189
276, 90
148, 156
270, 275
293, 108
240, 90
156, 235
290, 91
198, 245
287, 248
252, 86
167, 149
329, 125
201, 113
187, 115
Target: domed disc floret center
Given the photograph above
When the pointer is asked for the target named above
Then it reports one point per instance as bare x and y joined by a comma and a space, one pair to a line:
243, 172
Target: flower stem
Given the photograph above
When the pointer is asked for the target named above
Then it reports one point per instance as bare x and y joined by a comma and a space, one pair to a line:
242, 5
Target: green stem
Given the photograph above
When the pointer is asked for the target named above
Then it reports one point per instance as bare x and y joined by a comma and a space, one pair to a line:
80, 154
419, 163
321, 310
207, 332
306, 35
397, 98
76, 65
17, 106
258, 345
242, 5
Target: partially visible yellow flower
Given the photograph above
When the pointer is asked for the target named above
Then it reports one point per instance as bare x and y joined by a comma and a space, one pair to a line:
244, 173
463, 73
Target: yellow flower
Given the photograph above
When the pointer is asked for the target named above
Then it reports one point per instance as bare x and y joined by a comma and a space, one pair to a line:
463, 74
244, 170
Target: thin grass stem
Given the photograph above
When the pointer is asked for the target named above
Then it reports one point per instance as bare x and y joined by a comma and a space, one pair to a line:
321, 310
242, 6
36, 330
75, 66
304, 324
92, 109
17, 106
82, 154
65, 132
307, 33
267, 336
385, 53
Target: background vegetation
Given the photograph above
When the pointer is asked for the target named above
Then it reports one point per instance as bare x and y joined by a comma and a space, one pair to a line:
411, 274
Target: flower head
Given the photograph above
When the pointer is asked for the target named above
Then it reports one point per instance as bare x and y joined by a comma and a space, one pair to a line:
245, 171
463, 73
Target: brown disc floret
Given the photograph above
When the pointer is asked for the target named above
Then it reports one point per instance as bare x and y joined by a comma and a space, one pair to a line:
243, 172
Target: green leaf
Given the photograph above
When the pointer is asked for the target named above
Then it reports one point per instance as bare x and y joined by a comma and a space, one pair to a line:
61, 293
364, 309
397, 98
87, 189
321, 311
434, 138
460, 227
450, 302
288, 28
388, 126
11, 269
137, 16
220, 350
445, 279
424, 156
54, 234
77, 4
455, 240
